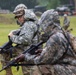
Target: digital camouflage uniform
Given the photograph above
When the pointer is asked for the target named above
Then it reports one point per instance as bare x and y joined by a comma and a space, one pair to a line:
56, 54
27, 36
66, 22
7, 56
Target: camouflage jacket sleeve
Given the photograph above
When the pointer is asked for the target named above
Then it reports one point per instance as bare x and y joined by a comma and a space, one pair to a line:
15, 32
54, 50
26, 35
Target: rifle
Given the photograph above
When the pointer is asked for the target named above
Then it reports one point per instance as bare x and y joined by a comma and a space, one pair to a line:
7, 45
32, 48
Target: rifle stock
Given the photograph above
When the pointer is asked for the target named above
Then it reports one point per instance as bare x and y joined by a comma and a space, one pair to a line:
12, 62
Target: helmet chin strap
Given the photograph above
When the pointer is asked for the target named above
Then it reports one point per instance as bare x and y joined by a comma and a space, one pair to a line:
19, 23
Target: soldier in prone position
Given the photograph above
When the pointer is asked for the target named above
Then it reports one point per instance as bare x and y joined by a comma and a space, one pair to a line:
57, 55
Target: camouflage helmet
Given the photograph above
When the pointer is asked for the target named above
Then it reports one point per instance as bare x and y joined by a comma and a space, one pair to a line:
19, 9
49, 16
29, 15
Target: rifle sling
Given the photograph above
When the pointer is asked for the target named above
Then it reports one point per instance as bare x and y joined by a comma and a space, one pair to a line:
27, 64
61, 62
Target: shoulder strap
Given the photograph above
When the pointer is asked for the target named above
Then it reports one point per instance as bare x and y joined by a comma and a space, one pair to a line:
37, 32
67, 38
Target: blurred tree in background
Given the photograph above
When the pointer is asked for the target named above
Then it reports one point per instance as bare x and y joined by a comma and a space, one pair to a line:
53, 4
10, 4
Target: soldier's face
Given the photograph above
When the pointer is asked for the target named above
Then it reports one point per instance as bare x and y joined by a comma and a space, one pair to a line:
21, 19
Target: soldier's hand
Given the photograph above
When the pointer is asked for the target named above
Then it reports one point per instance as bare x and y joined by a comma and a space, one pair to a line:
38, 52
44, 37
20, 58
1, 49
10, 34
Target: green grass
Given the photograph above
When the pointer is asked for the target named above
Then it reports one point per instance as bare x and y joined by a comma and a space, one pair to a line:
7, 19
72, 23
4, 31
7, 23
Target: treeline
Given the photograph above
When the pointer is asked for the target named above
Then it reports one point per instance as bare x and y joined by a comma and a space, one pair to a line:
10, 4
54, 3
